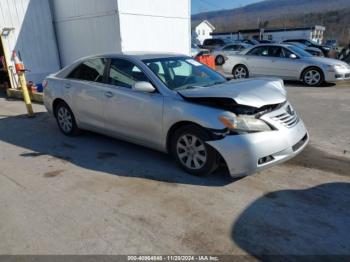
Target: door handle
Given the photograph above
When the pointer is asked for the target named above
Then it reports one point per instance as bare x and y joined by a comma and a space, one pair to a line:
66, 85
109, 94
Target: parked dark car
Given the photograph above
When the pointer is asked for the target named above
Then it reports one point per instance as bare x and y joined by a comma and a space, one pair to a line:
265, 41
212, 44
249, 41
324, 49
332, 43
312, 50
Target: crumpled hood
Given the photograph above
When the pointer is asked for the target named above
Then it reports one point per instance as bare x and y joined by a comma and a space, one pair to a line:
255, 92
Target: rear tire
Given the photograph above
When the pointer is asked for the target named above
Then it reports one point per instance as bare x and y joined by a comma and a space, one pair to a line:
313, 77
240, 72
66, 120
220, 60
192, 153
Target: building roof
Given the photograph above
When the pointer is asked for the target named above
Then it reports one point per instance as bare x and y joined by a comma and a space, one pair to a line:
272, 30
205, 22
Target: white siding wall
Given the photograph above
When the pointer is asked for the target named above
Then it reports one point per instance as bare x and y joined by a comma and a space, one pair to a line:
285, 35
203, 31
86, 27
33, 35
155, 25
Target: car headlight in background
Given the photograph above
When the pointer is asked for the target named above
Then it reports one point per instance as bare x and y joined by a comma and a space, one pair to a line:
244, 123
339, 67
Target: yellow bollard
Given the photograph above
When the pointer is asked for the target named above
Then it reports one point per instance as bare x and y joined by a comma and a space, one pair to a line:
26, 96
23, 82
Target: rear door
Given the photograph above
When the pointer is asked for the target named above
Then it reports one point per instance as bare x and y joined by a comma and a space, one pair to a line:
84, 87
129, 114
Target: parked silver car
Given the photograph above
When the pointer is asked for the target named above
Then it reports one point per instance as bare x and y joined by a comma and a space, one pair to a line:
174, 104
221, 54
288, 62
197, 51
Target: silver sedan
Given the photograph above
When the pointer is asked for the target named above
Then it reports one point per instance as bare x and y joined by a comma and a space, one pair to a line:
287, 62
174, 104
222, 53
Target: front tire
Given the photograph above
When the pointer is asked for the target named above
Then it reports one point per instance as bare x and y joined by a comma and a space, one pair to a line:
192, 153
240, 72
313, 77
66, 120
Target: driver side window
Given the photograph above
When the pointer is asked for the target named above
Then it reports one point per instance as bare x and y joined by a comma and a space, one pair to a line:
287, 53
259, 51
124, 73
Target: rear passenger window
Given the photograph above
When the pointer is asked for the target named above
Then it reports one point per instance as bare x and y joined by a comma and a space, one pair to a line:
124, 73
91, 70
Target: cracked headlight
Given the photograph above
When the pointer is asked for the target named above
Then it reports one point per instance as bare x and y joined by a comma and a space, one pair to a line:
244, 123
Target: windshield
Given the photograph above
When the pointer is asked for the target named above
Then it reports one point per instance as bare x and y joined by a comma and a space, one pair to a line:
180, 73
299, 52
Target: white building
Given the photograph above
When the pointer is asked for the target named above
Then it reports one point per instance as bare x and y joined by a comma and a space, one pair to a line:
202, 31
50, 34
87, 27
315, 33
26, 26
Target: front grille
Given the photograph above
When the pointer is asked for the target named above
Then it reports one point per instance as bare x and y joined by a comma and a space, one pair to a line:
347, 75
289, 120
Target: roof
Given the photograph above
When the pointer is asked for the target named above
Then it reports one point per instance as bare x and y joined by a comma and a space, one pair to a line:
205, 22
141, 55
257, 30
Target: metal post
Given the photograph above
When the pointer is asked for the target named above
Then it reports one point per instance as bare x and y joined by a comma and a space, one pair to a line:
26, 96
23, 83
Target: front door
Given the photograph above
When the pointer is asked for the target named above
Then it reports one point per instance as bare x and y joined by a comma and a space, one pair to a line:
129, 114
284, 64
258, 61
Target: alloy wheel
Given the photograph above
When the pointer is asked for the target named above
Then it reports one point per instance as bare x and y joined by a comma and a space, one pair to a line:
312, 77
65, 119
240, 73
191, 152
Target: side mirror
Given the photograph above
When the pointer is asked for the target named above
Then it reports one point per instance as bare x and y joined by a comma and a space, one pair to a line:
293, 56
144, 87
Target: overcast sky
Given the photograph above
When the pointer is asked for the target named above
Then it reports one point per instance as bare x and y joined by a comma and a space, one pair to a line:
199, 6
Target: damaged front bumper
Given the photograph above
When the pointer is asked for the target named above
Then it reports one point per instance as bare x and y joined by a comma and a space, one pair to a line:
249, 153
